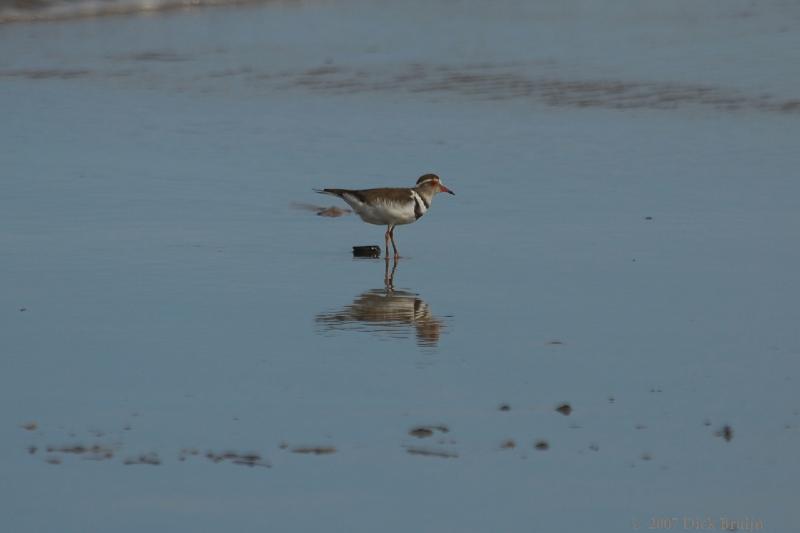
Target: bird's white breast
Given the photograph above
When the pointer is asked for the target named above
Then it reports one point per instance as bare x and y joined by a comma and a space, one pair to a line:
384, 212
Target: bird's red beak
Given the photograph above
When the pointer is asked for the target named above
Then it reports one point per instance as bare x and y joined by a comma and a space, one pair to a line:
442, 188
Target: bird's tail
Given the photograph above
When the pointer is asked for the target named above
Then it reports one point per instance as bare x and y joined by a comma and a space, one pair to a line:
332, 192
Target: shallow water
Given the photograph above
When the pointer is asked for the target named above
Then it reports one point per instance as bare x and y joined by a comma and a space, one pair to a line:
623, 239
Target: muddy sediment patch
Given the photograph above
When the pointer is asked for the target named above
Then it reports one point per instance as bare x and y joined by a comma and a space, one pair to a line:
46, 74
94, 452
422, 432
314, 450
250, 459
431, 452
503, 82
150, 458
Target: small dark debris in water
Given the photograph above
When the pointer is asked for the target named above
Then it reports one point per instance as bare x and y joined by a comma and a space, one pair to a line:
541, 445
421, 433
640, 426
554, 342
283, 445
366, 251
95, 451
246, 459
508, 444
143, 459
29, 426
594, 447
126, 427
706, 422
216, 458
53, 460
431, 452
426, 431
22, 309
316, 450
655, 390
251, 460
77, 449
726, 432
647, 456
504, 407
648, 218
611, 399
102, 456
565, 409
32, 449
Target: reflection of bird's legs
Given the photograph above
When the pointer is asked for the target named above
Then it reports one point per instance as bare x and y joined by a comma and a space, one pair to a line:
388, 279
388, 232
394, 246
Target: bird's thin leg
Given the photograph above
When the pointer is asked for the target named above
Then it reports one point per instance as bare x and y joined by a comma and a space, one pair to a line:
388, 228
394, 246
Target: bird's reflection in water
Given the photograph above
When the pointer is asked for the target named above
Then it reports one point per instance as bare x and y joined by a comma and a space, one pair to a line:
387, 313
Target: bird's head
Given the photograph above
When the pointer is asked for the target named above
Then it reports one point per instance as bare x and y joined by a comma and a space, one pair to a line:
432, 183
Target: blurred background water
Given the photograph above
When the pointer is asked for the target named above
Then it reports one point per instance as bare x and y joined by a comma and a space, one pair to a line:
623, 240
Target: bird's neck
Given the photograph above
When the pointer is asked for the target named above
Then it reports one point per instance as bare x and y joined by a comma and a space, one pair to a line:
426, 191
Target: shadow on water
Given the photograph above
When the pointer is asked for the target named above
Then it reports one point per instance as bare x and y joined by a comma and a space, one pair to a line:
388, 313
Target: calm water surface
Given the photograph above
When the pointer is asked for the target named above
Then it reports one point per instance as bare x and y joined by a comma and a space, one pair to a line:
183, 349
